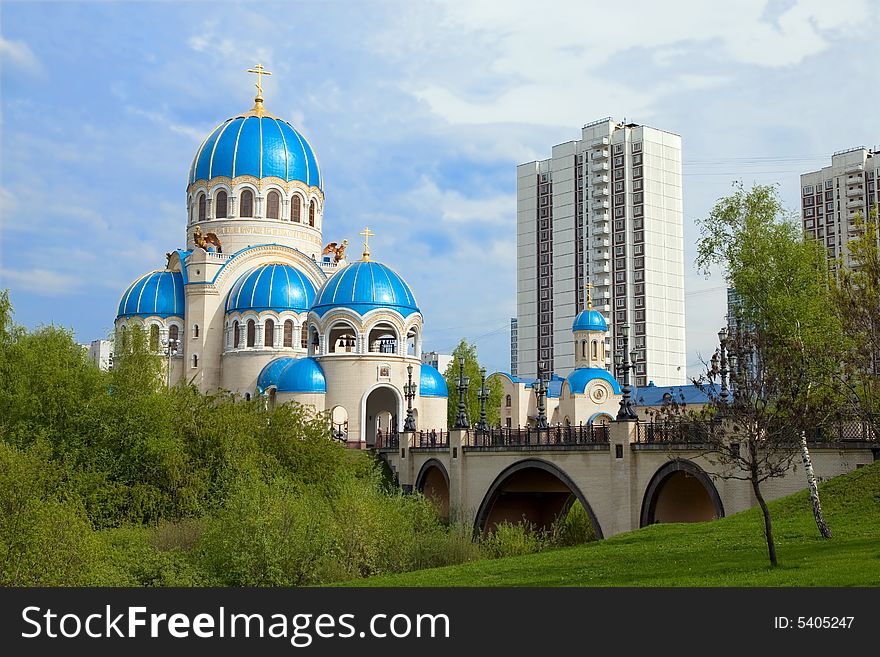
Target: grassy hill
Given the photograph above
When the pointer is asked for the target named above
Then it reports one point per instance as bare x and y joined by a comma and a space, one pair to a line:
727, 552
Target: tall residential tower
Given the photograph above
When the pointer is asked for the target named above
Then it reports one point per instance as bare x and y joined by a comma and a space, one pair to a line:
832, 196
605, 209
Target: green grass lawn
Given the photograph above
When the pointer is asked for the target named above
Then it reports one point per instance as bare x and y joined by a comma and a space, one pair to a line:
726, 552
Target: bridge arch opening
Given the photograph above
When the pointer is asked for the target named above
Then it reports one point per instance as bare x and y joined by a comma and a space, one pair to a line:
680, 491
533, 490
433, 482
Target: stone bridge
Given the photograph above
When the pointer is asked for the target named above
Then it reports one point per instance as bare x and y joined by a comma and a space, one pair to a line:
623, 474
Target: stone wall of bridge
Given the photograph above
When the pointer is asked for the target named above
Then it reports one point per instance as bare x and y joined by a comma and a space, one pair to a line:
622, 483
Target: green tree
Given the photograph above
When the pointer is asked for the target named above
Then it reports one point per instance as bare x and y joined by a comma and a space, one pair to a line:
788, 341
472, 401
856, 293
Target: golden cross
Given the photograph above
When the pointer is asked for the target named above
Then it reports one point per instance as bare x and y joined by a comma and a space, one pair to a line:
260, 71
589, 288
367, 233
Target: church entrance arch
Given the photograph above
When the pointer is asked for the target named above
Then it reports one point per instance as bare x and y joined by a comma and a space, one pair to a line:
381, 411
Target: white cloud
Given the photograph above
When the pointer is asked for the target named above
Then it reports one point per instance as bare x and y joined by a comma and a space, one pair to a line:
41, 281
19, 54
453, 207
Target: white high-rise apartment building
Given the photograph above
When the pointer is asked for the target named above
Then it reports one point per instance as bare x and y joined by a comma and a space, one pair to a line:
832, 196
605, 209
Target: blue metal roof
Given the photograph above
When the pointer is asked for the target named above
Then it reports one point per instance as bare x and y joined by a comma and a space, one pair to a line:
248, 145
156, 293
292, 375
578, 379
273, 286
652, 395
589, 320
432, 383
363, 286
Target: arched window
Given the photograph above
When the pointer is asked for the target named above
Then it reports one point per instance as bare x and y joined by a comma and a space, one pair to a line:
595, 350
288, 333
123, 337
202, 207
246, 207
508, 401
195, 360
311, 213
295, 208
236, 335
247, 396
304, 337
269, 333
251, 333
195, 330
220, 205
273, 202
174, 336
583, 348
154, 337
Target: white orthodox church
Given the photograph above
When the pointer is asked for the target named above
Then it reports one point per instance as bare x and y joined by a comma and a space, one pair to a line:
256, 305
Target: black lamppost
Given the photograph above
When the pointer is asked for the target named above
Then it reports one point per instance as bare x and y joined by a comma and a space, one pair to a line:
483, 395
461, 422
719, 364
624, 365
409, 391
540, 391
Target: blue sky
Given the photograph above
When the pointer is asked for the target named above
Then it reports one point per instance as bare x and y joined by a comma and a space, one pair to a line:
419, 113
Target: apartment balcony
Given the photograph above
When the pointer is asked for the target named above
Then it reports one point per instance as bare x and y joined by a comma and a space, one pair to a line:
600, 179
855, 191
602, 229
602, 269
600, 242
602, 142
600, 191
600, 216
855, 203
855, 167
599, 204
600, 166
855, 180
600, 154
602, 255
602, 282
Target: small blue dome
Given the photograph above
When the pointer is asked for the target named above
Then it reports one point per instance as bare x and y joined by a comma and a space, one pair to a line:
259, 146
578, 380
431, 382
589, 320
157, 293
273, 286
364, 286
292, 375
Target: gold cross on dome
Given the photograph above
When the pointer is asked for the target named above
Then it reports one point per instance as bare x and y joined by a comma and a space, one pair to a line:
589, 288
260, 71
367, 233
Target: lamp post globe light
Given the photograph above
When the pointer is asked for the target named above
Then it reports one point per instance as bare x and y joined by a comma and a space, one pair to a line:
483, 395
170, 350
624, 365
461, 421
409, 391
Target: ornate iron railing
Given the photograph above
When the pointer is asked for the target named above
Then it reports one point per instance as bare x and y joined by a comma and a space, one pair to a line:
389, 439
432, 438
694, 433
513, 438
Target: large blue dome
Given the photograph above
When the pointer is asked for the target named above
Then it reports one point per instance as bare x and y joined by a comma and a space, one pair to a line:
274, 286
589, 320
155, 294
259, 146
431, 382
579, 378
292, 375
363, 286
